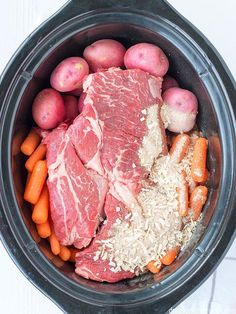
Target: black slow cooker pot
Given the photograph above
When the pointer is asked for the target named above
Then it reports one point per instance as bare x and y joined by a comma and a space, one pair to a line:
199, 68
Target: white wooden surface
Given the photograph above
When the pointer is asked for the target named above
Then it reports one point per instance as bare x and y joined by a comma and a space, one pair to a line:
216, 19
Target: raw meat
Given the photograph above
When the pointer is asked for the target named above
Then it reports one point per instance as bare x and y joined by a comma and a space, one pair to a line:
92, 267
109, 132
76, 194
106, 154
86, 135
110, 137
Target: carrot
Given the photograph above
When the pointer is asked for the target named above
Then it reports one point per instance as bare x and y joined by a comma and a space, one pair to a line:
17, 140
182, 191
194, 135
30, 143
28, 177
54, 243
197, 200
44, 230
172, 139
153, 267
73, 252
37, 155
205, 178
170, 256
180, 147
36, 181
191, 185
41, 208
198, 167
65, 253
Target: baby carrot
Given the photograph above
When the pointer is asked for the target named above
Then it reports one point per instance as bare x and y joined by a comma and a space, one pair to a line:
197, 200
182, 191
41, 208
37, 155
17, 140
65, 253
30, 143
172, 139
205, 178
198, 167
153, 267
180, 147
54, 243
191, 185
28, 177
44, 230
73, 252
36, 181
170, 256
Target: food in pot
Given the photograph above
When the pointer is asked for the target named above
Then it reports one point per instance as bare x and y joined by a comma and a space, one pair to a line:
77, 193
31, 142
38, 154
40, 211
48, 109
168, 82
69, 74
117, 195
36, 182
81, 102
104, 54
180, 109
198, 169
76, 92
71, 107
147, 57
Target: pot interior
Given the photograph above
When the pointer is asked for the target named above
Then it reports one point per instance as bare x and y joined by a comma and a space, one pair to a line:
187, 75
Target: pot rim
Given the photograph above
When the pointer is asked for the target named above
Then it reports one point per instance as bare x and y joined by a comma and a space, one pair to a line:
202, 258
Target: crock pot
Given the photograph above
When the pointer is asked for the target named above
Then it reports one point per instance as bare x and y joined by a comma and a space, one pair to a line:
198, 67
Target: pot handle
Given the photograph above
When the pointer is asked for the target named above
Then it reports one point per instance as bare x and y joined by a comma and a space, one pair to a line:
161, 8
76, 7
148, 5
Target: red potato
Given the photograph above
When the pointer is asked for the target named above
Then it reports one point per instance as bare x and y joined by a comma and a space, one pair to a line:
81, 102
147, 57
77, 92
71, 107
48, 109
104, 54
69, 74
168, 82
181, 108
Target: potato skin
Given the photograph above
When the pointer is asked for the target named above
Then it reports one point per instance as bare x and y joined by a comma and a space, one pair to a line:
71, 107
48, 109
181, 99
147, 57
181, 106
69, 74
76, 92
104, 54
168, 82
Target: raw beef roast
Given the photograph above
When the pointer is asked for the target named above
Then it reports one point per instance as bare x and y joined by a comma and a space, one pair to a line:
91, 266
110, 136
76, 193
102, 160
109, 133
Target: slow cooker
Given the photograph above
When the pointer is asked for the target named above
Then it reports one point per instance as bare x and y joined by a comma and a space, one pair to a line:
198, 67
